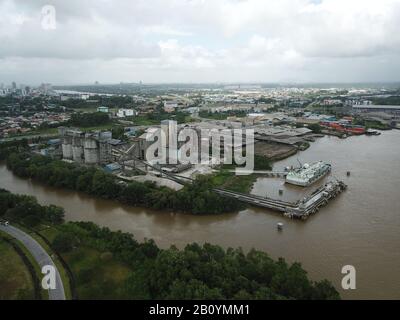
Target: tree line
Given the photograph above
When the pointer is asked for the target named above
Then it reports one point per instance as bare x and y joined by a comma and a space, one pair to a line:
199, 271
26, 210
16, 146
89, 119
196, 198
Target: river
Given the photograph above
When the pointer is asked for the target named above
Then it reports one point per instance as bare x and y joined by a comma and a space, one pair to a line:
361, 227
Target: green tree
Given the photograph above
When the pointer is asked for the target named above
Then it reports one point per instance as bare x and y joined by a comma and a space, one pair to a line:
64, 242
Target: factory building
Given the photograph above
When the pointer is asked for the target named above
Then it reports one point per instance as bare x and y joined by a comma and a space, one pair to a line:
200, 149
377, 108
87, 148
122, 113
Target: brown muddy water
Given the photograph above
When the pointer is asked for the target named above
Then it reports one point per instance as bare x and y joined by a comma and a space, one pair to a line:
361, 227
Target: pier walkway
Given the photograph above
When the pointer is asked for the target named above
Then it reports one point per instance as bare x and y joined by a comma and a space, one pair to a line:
267, 173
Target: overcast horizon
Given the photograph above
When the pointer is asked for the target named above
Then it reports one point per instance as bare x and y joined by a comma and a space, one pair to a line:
200, 41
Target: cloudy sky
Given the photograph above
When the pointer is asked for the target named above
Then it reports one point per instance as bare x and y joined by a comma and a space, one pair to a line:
199, 41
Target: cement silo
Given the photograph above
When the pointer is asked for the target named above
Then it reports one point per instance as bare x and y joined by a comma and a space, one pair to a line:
67, 147
91, 150
105, 136
105, 147
66, 143
77, 148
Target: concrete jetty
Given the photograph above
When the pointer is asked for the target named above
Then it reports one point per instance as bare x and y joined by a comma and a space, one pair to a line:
301, 209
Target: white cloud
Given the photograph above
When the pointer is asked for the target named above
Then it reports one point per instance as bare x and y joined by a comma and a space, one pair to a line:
202, 40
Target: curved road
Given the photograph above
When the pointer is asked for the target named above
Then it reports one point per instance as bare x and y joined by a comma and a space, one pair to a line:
40, 255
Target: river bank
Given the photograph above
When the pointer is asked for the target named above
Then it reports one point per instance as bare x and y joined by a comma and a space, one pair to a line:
361, 227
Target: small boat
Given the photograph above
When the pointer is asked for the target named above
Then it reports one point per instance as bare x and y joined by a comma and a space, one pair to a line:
371, 132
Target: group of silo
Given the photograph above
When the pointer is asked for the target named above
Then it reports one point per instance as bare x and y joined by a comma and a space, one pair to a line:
88, 148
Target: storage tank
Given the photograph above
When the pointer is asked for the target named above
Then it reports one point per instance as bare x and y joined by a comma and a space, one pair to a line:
67, 151
91, 151
105, 136
62, 131
66, 147
104, 152
77, 149
77, 152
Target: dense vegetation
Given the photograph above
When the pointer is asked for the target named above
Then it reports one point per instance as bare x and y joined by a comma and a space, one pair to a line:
97, 101
227, 179
26, 210
89, 119
7, 100
9, 147
371, 124
222, 115
144, 271
392, 100
19, 286
159, 115
315, 127
198, 272
262, 163
197, 198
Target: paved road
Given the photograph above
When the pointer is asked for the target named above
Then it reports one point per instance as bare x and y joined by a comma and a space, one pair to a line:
41, 257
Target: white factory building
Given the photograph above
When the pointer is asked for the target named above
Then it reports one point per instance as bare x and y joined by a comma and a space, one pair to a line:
122, 113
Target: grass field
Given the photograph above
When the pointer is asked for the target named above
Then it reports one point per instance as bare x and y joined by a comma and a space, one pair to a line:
107, 126
230, 181
97, 274
15, 279
37, 132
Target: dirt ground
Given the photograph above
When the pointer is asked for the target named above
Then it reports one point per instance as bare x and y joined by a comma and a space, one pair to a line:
274, 151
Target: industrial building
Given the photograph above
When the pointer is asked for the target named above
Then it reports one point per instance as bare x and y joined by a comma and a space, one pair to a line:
200, 150
88, 148
103, 109
377, 108
170, 106
122, 113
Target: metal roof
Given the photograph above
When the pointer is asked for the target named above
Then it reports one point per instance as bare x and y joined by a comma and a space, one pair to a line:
375, 106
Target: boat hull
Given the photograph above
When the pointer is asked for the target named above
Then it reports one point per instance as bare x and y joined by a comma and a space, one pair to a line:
309, 182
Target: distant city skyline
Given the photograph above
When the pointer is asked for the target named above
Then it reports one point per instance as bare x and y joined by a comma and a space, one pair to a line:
200, 41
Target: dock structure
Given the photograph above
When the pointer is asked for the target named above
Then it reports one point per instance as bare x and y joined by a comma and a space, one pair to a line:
319, 198
301, 209
267, 173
